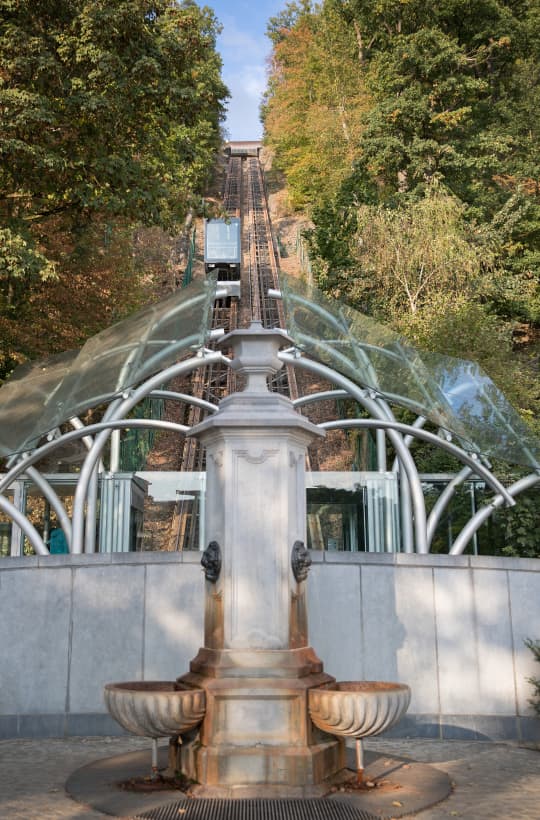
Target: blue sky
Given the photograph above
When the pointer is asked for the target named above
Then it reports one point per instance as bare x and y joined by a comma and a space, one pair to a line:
244, 49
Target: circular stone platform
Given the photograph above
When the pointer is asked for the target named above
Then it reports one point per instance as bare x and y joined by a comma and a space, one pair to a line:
405, 787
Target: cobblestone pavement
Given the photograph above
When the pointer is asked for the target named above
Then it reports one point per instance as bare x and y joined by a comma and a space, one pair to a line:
491, 779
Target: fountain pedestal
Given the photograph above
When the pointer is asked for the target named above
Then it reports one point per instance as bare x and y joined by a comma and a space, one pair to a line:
256, 665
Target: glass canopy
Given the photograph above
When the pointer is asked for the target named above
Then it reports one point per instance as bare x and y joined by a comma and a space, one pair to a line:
40, 396
454, 394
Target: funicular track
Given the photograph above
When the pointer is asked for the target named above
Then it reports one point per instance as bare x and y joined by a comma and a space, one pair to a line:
261, 267
244, 196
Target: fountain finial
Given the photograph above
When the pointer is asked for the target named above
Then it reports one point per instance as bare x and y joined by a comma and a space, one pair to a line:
255, 352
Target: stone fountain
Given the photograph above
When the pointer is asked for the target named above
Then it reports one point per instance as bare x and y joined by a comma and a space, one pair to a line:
268, 715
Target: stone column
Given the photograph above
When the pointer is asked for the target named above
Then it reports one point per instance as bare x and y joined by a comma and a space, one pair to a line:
256, 665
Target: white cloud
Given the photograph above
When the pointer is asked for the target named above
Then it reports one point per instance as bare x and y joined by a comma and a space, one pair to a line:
237, 45
244, 50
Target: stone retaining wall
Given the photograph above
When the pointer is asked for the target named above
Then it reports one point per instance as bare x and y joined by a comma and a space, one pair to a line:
451, 627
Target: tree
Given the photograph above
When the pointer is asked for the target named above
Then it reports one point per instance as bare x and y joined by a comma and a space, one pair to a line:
314, 99
109, 117
99, 100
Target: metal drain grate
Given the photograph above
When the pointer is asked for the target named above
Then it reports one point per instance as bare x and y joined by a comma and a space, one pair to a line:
292, 809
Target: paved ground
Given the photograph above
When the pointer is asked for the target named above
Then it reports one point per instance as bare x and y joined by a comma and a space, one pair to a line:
492, 780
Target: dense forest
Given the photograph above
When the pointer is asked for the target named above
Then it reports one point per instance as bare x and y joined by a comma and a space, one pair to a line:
110, 119
407, 133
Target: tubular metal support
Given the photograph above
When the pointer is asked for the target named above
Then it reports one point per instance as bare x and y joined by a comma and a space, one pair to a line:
75, 435
405, 506
417, 423
91, 509
322, 396
78, 520
114, 459
196, 402
444, 500
406, 516
484, 513
28, 529
381, 451
48, 492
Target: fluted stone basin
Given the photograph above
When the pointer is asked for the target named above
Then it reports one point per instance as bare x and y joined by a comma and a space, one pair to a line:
358, 708
155, 708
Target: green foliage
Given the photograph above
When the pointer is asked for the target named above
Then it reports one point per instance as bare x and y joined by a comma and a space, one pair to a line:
313, 104
107, 107
20, 263
404, 256
521, 529
110, 118
429, 219
534, 646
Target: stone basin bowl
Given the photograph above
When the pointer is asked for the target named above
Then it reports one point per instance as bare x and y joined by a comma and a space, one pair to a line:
155, 708
358, 708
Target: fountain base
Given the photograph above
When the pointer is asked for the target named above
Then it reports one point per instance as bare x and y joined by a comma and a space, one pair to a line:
256, 729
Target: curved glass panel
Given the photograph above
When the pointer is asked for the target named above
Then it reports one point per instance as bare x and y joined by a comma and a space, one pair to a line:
27, 400
454, 394
39, 397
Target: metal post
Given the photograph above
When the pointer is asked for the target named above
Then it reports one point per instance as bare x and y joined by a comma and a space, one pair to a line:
16, 534
407, 532
91, 510
359, 760
154, 759
114, 460
381, 451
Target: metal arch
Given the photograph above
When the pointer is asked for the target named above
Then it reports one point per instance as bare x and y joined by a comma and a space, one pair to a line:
484, 513
53, 499
85, 433
185, 397
120, 410
370, 404
47, 491
321, 396
424, 435
77, 424
418, 423
91, 501
98, 427
21, 520
24, 524
93, 483
405, 507
444, 500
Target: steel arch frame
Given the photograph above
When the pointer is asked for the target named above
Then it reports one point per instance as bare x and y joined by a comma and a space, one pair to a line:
382, 420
